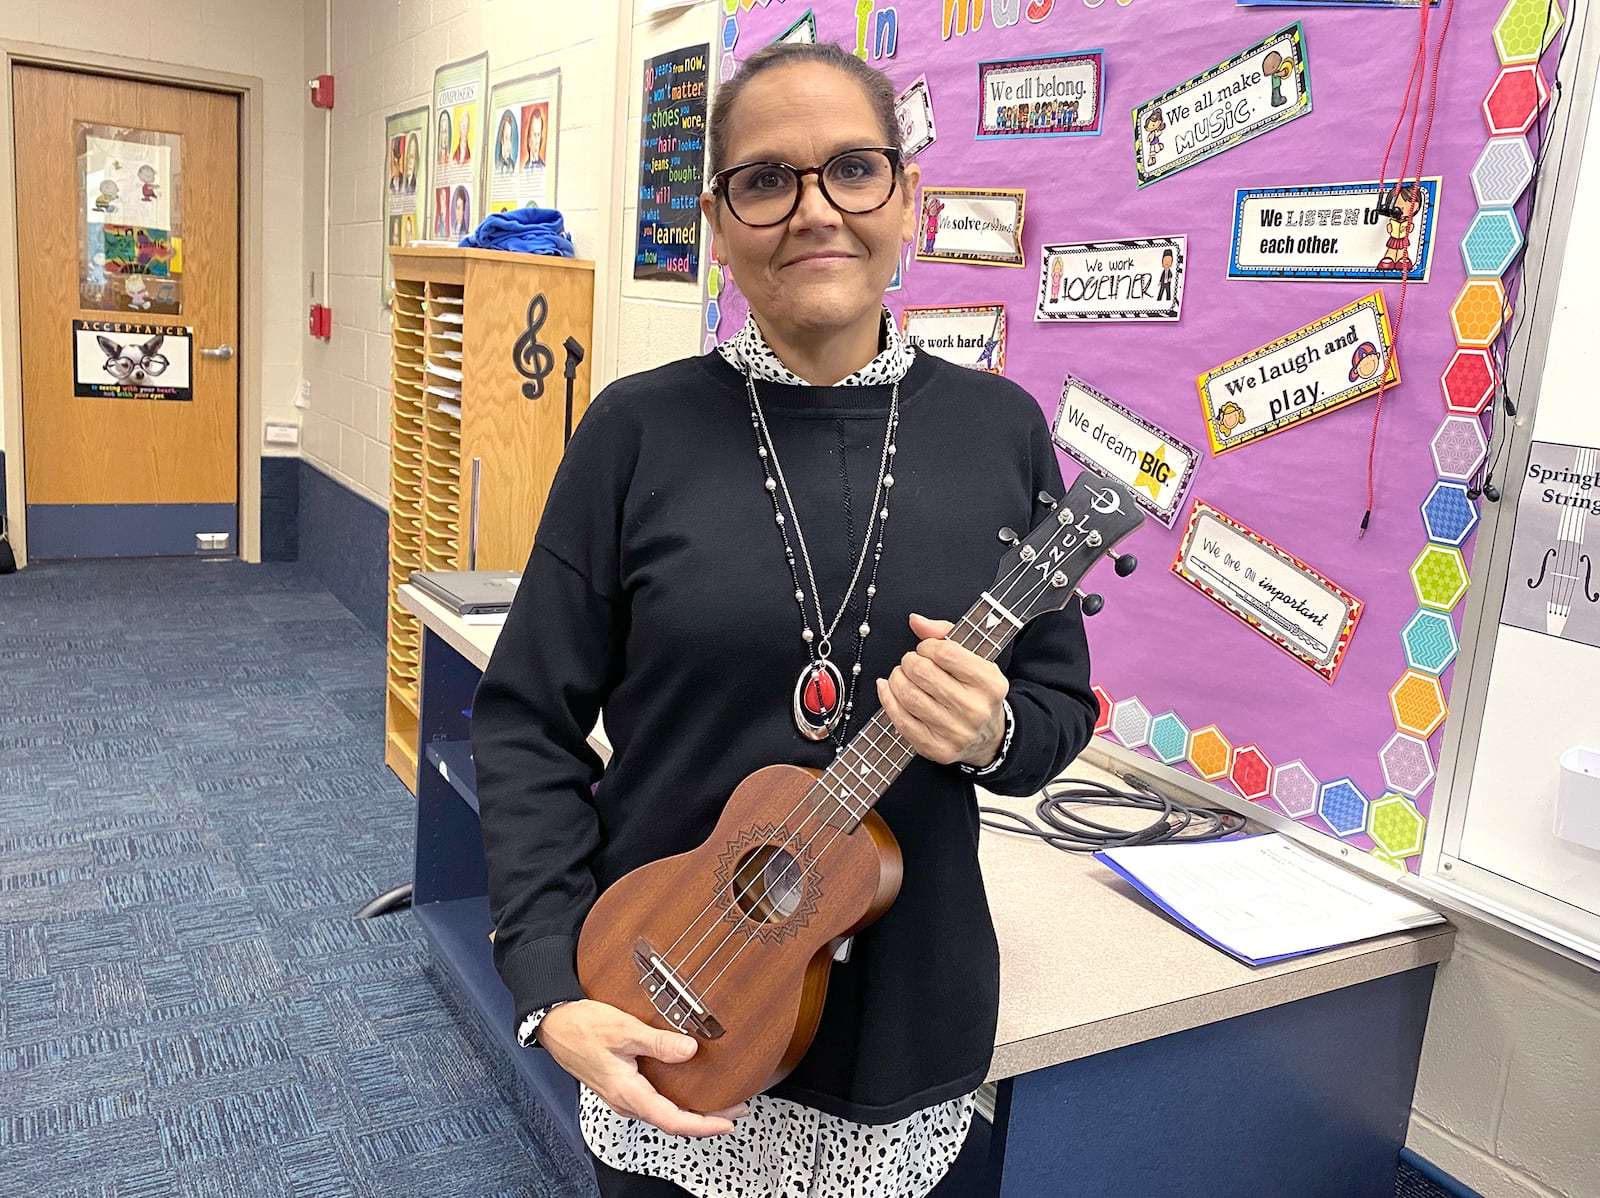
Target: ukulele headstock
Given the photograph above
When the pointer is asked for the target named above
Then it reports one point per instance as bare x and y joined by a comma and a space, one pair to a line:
1042, 570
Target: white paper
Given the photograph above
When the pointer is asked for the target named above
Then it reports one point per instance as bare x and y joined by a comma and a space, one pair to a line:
1261, 897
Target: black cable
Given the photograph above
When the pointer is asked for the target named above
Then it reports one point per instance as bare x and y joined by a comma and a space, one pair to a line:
1074, 832
392, 900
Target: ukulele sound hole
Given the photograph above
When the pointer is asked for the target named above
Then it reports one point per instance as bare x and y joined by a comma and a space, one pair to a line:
768, 884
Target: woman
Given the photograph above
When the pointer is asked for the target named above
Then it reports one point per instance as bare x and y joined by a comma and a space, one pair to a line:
667, 493
461, 213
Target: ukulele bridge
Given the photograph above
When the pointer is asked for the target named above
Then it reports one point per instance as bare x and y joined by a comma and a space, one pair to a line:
671, 997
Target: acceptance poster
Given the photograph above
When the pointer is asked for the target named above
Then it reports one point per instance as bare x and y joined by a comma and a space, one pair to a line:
406, 168
460, 91
524, 119
672, 165
113, 359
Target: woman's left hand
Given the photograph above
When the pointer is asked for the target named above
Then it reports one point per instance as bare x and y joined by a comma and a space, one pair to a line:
946, 701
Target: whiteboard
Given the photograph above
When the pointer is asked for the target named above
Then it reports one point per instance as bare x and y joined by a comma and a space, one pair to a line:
1524, 697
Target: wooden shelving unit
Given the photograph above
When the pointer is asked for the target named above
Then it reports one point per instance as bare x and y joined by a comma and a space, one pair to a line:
456, 396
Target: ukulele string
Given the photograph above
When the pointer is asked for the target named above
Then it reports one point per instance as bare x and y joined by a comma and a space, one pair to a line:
736, 908
799, 858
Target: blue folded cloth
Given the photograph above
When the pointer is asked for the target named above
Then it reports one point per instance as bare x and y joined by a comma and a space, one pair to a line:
523, 231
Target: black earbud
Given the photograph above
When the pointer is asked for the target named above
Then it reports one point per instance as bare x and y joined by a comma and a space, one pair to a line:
1491, 492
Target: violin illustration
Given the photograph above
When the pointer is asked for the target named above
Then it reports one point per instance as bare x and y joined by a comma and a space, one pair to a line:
1562, 561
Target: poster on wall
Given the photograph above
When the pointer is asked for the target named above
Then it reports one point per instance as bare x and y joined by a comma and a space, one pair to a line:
1554, 583
112, 359
1342, 357
914, 108
1334, 231
130, 247
672, 165
982, 226
972, 335
1254, 92
1101, 434
1139, 278
524, 117
1308, 616
460, 91
1056, 96
405, 135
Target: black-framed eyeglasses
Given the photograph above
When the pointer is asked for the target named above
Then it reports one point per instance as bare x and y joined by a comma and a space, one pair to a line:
763, 194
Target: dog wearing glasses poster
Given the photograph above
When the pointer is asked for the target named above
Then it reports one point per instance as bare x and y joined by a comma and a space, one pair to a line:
116, 360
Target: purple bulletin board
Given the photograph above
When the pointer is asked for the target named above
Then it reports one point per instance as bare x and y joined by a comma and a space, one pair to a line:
1181, 679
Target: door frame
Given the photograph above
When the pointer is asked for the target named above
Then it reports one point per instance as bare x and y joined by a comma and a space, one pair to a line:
252, 143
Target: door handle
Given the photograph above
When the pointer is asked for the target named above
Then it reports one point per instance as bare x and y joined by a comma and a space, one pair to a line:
223, 352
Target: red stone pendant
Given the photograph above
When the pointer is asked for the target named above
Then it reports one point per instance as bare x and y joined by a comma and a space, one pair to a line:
818, 699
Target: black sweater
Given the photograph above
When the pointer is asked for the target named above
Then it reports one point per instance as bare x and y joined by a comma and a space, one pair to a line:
657, 589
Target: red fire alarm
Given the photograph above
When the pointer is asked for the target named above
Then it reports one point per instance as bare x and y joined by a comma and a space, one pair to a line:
321, 321
322, 91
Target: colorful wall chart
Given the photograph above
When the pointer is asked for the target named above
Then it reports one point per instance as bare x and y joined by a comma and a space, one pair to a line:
405, 140
524, 121
1343, 735
672, 165
460, 92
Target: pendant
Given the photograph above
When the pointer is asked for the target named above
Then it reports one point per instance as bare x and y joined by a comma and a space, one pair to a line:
818, 699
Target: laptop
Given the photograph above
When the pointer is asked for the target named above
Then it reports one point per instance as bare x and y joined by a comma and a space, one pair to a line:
469, 592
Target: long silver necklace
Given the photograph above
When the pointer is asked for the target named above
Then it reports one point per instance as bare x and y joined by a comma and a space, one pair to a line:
822, 701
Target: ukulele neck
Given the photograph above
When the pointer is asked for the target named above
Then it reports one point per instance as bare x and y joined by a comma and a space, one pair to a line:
875, 756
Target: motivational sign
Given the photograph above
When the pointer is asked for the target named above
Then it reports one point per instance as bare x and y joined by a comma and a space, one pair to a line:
112, 359
1116, 443
1136, 279
1345, 356
1272, 591
1041, 97
1554, 584
973, 335
1255, 91
961, 225
1334, 231
671, 166
914, 108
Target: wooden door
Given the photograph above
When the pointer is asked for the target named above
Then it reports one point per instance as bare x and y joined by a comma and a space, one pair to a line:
120, 458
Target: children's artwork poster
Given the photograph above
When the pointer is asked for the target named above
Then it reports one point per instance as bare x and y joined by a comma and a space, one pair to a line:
525, 119
115, 360
1335, 231
1345, 356
982, 226
129, 182
1057, 96
1260, 88
1114, 442
405, 135
1302, 612
1139, 278
971, 335
1554, 583
672, 165
460, 92
130, 249
914, 108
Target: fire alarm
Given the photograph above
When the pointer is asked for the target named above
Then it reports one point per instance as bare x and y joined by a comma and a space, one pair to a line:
321, 91
321, 321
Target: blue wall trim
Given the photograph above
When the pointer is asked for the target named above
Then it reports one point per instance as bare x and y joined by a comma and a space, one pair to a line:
280, 509
1437, 1175
344, 539
73, 530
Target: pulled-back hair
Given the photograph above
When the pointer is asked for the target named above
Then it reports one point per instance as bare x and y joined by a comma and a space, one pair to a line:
880, 92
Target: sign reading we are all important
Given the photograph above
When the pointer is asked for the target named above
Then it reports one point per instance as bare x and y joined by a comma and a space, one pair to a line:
1345, 356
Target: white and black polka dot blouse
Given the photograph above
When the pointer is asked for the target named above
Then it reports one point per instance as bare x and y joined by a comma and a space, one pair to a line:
782, 1149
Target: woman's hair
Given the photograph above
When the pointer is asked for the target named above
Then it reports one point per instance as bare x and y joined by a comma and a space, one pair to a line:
880, 92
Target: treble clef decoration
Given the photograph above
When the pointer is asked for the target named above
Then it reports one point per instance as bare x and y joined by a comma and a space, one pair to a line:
1562, 562
532, 357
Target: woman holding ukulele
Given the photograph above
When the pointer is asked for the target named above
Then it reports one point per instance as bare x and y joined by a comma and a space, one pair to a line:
742, 556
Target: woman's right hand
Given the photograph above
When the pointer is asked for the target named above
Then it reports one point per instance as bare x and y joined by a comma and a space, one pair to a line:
600, 1045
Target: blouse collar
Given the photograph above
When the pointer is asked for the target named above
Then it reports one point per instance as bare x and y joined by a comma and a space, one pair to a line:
747, 352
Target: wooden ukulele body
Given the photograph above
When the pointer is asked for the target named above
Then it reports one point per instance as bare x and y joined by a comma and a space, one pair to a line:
731, 943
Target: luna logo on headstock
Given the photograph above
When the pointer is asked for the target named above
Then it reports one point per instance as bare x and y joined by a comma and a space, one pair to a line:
1043, 568
532, 357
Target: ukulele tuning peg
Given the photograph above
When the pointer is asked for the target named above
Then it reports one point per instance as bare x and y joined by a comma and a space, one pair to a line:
1047, 499
1008, 536
1091, 604
1126, 565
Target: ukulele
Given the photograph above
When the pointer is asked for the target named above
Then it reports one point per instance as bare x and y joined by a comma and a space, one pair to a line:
731, 942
